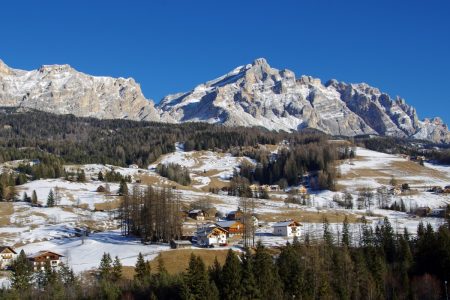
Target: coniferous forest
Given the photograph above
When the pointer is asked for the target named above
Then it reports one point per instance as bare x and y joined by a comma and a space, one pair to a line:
380, 265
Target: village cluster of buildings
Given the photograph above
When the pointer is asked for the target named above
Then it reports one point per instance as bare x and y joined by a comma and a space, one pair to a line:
38, 260
221, 232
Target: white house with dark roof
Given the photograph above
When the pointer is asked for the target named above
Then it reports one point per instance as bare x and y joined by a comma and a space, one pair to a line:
287, 228
7, 255
211, 235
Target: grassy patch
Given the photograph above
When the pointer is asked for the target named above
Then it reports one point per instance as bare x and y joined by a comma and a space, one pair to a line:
110, 204
177, 261
309, 216
6, 210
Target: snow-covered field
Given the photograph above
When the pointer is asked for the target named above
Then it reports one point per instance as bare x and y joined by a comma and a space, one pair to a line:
86, 255
58, 228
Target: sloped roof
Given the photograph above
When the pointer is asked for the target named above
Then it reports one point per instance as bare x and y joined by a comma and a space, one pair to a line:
42, 253
286, 223
226, 224
3, 248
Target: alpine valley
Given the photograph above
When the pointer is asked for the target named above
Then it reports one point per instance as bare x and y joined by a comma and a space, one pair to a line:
254, 95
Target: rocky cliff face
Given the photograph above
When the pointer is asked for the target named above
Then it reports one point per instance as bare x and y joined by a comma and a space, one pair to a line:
250, 95
63, 90
258, 95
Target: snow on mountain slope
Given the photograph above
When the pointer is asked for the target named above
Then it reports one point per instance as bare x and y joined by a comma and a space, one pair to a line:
258, 95
250, 95
63, 90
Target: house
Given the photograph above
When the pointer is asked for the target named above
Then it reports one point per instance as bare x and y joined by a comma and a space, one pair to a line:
38, 260
254, 188
233, 227
301, 190
396, 191
7, 256
422, 211
197, 214
437, 213
437, 190
274, 188
287, 228
235, 215
265, 188
211, 235
179, 244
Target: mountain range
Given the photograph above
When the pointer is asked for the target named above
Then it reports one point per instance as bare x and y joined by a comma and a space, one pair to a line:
251, 95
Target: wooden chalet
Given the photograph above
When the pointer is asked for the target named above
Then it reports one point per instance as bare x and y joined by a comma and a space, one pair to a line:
233, 227
180, 244
235, 215
40, 259
197, 214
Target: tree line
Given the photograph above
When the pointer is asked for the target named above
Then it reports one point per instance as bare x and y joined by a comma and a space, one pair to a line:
117, 142
381, 265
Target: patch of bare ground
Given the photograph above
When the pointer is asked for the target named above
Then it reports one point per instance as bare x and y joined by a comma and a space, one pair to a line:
309, 216
163, 182
111, 203
414, 169
177, 261
6, 210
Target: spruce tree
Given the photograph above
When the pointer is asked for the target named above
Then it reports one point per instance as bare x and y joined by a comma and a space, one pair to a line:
100, 176
105, 268
22, 273
346, 233
327, 234
25, 197
34, 198
123, 188
51, 199
266, 275
116, 272
231, 277
142, 270
249, 288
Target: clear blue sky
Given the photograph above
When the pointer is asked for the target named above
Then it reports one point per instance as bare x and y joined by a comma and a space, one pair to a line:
402, 47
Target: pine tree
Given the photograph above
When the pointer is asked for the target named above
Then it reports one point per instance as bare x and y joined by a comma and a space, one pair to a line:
346, 233
25, 197
142, 270
22, 273
50, 199
197, 280
327, 234
250, 290
231, 277
266, 275
215, 272
105, 268
123, 188
100, 176
34, 198
116, 272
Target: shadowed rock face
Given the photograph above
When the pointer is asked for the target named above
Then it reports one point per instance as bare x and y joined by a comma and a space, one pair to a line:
250, 95
63, 90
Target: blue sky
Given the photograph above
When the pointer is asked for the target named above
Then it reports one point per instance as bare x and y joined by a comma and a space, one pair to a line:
402, 47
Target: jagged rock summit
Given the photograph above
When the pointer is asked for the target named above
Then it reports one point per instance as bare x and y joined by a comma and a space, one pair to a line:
63, 90
251, 95
258, 95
